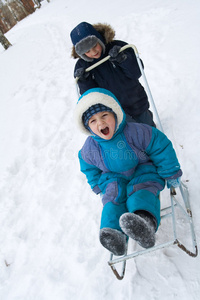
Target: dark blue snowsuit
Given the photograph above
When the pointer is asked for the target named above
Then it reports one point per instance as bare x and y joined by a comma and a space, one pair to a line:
122, 79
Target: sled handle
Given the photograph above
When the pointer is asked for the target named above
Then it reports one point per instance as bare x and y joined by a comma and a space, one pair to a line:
143, 76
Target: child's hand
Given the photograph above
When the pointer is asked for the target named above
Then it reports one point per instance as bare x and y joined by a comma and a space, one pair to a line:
174, 182
81, 74
115, 55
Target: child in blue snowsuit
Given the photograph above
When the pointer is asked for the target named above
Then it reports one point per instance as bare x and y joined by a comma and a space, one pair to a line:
127, 163
119, 74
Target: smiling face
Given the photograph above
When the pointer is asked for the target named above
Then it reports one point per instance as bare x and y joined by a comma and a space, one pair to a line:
103, 124
94, 52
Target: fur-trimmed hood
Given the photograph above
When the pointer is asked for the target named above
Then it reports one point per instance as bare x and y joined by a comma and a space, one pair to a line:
96, 96
105, 30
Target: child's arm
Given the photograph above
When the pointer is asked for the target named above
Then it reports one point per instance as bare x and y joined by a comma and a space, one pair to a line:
92, 174
162, 154
129, 65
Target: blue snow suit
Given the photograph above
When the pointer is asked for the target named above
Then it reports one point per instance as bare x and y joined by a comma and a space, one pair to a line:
129, 170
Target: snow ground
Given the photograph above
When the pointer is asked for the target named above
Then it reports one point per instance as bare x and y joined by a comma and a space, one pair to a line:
49, 218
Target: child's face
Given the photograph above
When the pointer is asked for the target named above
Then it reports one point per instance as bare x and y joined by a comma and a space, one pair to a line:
103, 124
94, 52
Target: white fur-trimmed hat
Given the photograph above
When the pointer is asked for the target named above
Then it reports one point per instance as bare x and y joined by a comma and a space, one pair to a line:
97, 96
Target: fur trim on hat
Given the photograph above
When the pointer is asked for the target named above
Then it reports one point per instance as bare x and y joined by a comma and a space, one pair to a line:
105, 30
86, 44
95, 96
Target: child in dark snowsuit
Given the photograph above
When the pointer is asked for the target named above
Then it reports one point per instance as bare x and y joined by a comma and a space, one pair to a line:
119, 74
128, 164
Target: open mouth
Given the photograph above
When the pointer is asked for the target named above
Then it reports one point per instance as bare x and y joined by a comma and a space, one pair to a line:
105, 131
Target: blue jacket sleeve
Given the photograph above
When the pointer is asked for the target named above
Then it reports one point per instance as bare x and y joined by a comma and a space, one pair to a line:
163, 156
92, 174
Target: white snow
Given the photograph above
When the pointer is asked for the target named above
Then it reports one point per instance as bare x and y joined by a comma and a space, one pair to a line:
49, 218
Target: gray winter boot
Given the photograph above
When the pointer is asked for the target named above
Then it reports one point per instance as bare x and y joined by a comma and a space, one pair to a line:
113, 240
140, 226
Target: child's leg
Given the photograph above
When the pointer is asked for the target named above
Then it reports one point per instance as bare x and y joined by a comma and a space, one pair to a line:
143, 191
143, 219
143, 205
146, 117
144, 200
111, 235
110, 215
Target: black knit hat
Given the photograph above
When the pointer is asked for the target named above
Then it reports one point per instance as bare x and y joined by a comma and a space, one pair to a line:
92, 110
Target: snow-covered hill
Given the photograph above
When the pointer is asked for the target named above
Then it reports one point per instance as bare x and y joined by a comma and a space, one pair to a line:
49, 218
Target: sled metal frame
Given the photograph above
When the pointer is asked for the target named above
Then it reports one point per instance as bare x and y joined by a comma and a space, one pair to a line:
166, 212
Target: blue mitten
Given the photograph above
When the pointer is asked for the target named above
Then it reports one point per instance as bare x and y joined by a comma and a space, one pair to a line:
173, 183
115, 55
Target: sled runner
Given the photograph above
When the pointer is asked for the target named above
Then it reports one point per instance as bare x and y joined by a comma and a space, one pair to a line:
177, 207
181, 206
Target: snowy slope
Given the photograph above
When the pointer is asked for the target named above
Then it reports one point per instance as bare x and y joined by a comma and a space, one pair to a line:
49, 218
